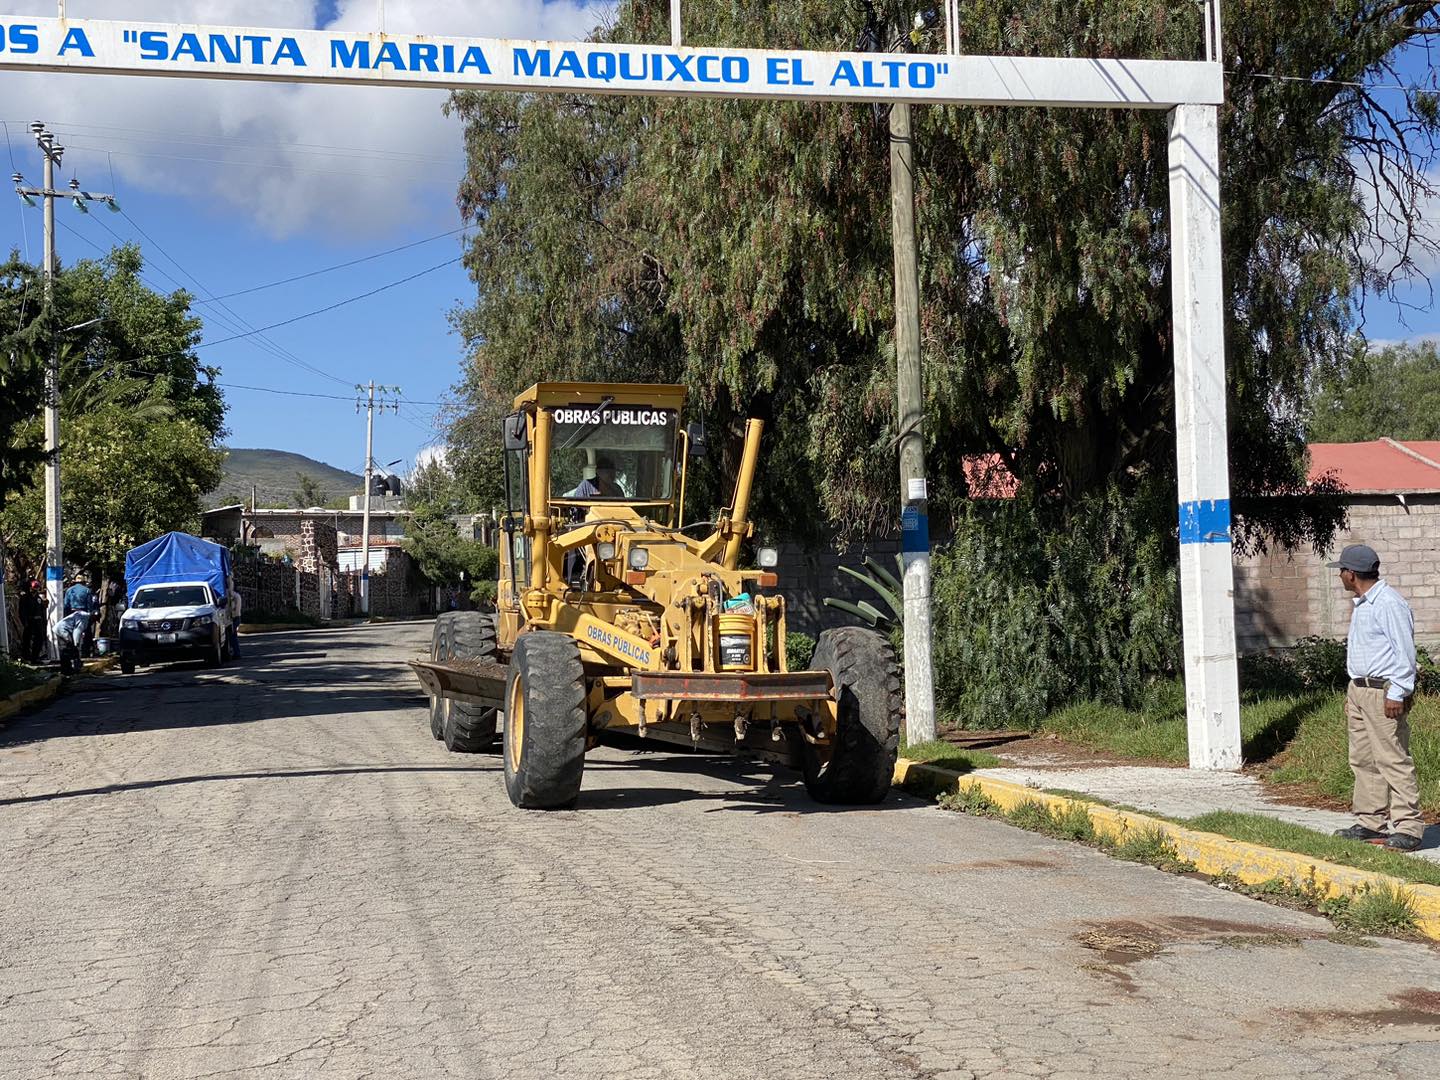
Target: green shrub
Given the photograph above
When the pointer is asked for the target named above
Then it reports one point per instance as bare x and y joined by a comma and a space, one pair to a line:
1033, 611
1429, 679
799, 649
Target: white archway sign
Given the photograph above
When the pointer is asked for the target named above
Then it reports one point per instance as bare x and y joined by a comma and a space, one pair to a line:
1191, 91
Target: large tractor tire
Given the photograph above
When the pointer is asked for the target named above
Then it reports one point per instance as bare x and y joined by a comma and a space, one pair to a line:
859, 765
466, 728
439, 651
545, 722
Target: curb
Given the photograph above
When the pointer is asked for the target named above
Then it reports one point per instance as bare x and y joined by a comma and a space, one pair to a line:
1211, 854
271, 628
26, 698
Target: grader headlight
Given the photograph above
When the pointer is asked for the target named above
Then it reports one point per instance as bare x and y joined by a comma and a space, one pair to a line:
768, 558
639, 558
604, 551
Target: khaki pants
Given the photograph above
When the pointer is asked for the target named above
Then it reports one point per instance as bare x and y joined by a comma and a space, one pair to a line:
1386, 788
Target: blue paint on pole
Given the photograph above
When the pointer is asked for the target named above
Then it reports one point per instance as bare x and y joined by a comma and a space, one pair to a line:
1205, 521
914, 531
54, 573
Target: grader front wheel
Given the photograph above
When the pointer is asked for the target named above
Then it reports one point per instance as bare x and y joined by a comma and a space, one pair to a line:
859, 764
545, 722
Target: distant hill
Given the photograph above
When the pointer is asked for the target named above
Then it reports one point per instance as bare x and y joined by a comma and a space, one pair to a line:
276, 473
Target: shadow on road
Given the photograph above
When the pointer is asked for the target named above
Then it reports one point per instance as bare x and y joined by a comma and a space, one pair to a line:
277, 774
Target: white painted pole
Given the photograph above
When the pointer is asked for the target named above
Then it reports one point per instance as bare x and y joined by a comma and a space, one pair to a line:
1212, 696
365, 527
910, 414
54, 545
675, 34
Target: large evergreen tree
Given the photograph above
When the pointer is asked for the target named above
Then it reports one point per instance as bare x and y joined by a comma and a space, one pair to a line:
743, 247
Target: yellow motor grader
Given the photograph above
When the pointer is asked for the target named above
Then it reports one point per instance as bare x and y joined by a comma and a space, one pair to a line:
615, 614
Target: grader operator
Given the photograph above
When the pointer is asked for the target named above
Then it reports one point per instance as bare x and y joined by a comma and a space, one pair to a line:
615, 614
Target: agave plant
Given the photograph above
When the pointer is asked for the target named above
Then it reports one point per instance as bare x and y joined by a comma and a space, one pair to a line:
886, 586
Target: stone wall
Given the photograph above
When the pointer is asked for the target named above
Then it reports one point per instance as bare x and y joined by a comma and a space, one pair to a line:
1281, 598
399, 590
266, 587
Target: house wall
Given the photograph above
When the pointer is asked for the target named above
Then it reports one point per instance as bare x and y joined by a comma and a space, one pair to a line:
1281, 598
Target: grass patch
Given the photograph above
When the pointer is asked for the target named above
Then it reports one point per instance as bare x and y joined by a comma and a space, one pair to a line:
1382, 909
947, 755
1153, 847
1302, 735
1257, 829
970, 799
15, 677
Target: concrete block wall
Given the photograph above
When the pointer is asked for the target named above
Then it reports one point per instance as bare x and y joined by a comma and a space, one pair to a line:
1281, 598
809, 574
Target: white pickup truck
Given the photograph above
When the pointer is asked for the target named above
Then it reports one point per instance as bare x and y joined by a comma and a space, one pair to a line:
178, 620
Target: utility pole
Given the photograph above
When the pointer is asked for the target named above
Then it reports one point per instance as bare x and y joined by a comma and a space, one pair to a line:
53, 152
369, 403
910, 415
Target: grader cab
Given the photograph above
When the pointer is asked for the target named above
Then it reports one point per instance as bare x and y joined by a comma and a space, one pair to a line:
616, 614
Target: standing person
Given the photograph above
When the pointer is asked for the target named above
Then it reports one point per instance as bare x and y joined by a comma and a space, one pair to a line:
32, 623
1380, 659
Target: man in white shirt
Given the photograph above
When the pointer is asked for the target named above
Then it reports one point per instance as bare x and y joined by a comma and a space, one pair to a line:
1380, 659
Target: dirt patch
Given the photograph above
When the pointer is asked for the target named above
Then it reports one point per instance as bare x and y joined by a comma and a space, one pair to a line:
995, 864
1413, 1008
1040, 751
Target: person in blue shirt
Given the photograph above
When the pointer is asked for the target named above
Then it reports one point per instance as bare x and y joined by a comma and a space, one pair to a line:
1380, 660
80, 597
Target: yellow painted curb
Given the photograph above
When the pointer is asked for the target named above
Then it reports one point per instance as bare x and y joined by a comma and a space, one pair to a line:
1211, 854
26, 698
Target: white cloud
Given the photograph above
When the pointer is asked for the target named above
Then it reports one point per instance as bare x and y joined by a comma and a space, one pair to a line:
268, 142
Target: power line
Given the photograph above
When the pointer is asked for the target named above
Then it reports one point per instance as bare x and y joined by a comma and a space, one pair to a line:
337, 304
338, 266
1332, 82
298, 393
247, 328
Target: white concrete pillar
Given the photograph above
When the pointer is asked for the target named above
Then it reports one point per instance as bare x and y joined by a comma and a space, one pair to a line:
1207, 584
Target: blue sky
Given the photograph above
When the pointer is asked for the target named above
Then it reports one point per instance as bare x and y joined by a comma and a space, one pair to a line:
240, 185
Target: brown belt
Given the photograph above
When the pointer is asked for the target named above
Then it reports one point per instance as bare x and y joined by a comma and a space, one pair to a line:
1371, 684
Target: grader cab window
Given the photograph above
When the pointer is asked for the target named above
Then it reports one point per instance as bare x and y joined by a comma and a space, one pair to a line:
619, 453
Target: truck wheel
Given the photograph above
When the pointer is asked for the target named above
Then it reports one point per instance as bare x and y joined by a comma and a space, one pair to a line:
439, 638
545, 722
215, 654
127, 665
859, 765
467, 728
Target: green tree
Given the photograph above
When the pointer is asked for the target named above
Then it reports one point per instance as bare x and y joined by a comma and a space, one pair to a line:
308, 492
140, 415
743, 248
121, 484
1392, 392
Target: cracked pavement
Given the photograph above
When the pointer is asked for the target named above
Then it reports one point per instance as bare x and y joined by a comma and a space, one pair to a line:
273, 870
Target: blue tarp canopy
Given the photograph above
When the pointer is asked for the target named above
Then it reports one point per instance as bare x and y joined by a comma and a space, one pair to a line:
176, 556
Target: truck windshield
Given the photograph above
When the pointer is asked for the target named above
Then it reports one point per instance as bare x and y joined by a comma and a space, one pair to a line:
171, 596
623, 453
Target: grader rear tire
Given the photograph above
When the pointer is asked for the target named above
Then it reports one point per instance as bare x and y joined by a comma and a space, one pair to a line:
860, 764
545, 722
466, 728
439, 650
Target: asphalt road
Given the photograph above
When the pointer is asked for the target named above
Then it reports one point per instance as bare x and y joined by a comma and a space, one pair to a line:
273, 871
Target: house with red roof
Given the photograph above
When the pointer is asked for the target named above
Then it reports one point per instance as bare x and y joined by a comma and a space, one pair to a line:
1392, 495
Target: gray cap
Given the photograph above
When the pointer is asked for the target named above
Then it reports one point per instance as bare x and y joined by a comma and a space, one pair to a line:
1358, 557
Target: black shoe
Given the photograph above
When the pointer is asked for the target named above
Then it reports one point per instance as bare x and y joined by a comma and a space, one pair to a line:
1359, 832
1403, 842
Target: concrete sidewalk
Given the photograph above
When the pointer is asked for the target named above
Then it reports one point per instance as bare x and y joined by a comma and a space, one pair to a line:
1182, 793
